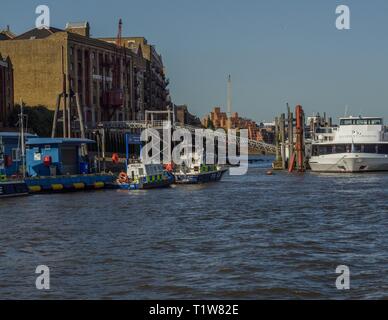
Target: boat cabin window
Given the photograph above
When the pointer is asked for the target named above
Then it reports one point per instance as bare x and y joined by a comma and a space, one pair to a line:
324, 130
361, 122
141, 172
376, 122
320, 150
346, 122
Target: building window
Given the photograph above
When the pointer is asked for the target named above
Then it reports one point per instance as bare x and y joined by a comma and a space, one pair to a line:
88, 116
16, 154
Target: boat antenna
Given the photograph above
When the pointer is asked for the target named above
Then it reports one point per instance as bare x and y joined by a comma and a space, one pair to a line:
346, 110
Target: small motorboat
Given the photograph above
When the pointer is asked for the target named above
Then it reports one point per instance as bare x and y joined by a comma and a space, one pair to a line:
198, 172
140, 176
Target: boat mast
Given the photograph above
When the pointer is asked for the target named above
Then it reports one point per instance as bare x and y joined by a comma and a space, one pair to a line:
22, 142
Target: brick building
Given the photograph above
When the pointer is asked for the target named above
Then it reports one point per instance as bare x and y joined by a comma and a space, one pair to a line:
182, 115
6, 89
216, 118
219, 119
111, 81
156, 93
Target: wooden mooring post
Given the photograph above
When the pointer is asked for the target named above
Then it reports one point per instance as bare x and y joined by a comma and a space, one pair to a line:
282, 127
277, 164
290, 136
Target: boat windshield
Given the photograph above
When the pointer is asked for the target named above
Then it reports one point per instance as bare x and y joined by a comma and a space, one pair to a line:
361, 122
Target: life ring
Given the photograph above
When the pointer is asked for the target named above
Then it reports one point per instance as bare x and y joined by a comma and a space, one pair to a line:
169, 167
123, 177
115, 158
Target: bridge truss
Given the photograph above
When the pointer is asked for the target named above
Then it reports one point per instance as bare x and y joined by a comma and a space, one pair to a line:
159, 125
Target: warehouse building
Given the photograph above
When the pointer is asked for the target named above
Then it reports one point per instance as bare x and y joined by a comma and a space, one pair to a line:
111, 81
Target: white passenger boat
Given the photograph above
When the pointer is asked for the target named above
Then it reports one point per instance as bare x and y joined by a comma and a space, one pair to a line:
359, 144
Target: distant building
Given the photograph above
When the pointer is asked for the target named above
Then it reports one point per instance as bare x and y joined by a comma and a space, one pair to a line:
114, 83
6, 90
218, 119
182, 115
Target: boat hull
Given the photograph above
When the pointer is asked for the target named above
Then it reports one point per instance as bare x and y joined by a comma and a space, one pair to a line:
13, 189
200, 177
145, 186
349, 163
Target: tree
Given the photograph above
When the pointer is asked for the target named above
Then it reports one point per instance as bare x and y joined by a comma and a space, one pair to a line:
210, 124
39, 119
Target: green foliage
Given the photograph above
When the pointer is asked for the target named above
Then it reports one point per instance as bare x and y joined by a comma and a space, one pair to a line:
39, 119
210, 124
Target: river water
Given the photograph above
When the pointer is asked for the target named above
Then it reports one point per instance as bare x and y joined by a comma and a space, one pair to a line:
249, 237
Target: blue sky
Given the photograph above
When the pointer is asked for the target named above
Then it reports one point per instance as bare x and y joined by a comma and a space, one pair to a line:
277, 51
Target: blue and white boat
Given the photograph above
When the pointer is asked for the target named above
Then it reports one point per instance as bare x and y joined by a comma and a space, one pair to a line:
141, 176
198, 172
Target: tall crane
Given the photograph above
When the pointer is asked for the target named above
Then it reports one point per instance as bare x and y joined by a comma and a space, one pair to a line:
119, 40
229, 102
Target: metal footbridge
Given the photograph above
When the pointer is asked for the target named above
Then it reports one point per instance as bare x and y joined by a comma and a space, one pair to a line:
159, 125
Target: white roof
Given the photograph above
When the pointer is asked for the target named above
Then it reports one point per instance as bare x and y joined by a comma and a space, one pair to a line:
360, 117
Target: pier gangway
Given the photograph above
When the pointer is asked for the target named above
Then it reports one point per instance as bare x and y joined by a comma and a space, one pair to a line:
258, 146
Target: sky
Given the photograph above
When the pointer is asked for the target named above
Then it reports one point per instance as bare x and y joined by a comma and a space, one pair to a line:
277, 51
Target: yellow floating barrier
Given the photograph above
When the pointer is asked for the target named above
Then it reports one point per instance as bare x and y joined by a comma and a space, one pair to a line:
35, 188
99, 185
79, 186
57, 187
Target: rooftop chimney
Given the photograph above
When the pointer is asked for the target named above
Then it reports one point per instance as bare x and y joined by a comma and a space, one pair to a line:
81, 28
